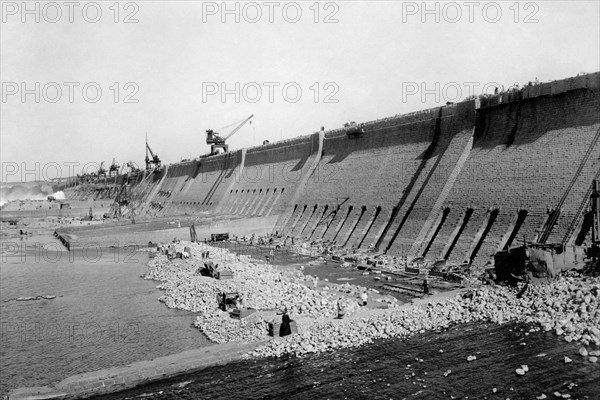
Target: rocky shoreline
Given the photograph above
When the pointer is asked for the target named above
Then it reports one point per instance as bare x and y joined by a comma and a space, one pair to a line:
262, 287
568, 306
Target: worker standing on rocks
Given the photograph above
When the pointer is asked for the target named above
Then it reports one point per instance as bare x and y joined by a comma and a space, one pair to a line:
340, 308
239, 303
526, 279
425, 286
364, 298
285, 328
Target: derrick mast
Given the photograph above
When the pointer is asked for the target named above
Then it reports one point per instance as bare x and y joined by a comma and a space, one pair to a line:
216, 141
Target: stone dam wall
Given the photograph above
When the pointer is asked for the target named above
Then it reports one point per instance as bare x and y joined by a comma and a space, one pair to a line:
457, 182
271, 177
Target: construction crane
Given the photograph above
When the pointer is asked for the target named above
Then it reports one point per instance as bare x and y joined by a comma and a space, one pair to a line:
155, 161
131, 168
122, 205
101, 170
217, 142
114, 167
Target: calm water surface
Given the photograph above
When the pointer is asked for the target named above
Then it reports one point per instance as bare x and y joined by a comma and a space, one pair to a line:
104, 314
402, 369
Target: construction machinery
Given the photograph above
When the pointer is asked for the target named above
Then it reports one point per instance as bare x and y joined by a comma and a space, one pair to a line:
352, 129
219, 237
101, 170
227, 300
548, 259
122, 206
153, 162
217, 142
131, 171
114, 167
193, 234
554, 215
132, 167
212, 270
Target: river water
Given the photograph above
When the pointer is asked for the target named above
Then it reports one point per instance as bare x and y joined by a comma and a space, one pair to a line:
414, 368
105, 315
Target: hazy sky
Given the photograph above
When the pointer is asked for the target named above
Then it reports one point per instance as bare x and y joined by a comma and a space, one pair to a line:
371, 60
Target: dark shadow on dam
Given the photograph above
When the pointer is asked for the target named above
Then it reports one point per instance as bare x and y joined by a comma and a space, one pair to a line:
339, 229
300, 164
525, 121
461, 229
222, 176
427, 154
363, 210
437, 231
373, 139
377, 212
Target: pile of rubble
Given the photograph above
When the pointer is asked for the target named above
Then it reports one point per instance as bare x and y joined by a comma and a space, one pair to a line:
261, 287
569, 306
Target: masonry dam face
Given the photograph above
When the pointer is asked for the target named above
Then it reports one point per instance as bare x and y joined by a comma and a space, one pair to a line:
458, 182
